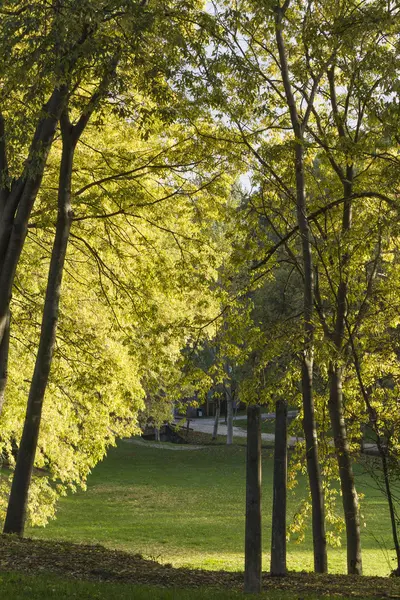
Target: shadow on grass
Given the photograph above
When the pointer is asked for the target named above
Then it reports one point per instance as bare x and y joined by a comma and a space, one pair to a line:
28, 558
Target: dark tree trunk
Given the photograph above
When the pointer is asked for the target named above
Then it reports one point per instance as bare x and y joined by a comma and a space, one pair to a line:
313, 470
216, 418
4, 350
229, 414
20, 200
278, 539
349, 494
253, 552
389, 495
15, 208
55, 111
17, 505
309, 425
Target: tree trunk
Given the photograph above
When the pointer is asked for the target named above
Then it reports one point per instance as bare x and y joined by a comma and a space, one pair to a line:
21, 198
216, 419
313, 471
229, 412
4, 351
18, 501
392, 510
278, 539
253, 552
309, 425
15, 209
349, 494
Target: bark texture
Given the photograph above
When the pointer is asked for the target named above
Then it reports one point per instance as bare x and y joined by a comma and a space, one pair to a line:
18, 200
4, 349
349, 494
18, 501
278, 538
309, 425
253, 554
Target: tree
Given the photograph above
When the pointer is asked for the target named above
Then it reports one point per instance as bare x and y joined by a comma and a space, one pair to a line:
56, 52
94, 47
253, 552
244, 40
278, 535
299, 124
175, 239
345, 121
283, 59
18, 501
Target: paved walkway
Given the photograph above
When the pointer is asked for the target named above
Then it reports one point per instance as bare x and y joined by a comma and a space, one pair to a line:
206, 425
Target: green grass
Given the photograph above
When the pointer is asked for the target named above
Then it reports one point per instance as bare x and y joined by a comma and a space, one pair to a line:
16, 586
187, 508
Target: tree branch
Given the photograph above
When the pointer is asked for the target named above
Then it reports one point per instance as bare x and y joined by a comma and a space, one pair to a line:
322, 211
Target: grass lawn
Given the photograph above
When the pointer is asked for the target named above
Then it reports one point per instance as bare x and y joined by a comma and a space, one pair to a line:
187, 508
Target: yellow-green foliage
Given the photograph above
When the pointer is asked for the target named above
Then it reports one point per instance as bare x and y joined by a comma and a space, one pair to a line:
140, 263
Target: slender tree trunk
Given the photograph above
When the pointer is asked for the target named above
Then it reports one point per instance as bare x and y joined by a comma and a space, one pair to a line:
18, 501
349, 494
313, 470
278, 539
4, 351
253, 551
347, 484
392, 511
229, 413
309, 425
216, 418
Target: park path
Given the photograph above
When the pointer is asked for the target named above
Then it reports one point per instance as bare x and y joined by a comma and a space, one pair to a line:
206, 425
